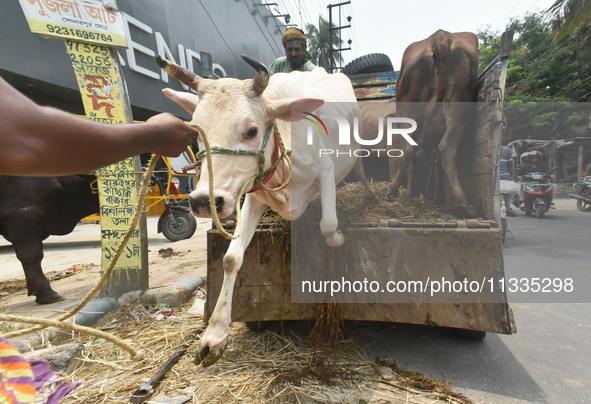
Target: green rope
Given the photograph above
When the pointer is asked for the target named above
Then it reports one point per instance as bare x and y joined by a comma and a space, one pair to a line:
257, 178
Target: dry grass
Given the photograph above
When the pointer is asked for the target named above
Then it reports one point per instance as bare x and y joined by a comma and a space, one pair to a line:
355, 205
277, 365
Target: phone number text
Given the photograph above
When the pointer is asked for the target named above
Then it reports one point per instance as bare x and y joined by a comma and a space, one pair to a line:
79, 33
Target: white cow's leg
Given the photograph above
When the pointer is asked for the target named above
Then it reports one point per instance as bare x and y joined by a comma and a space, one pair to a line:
213, 341
328, 197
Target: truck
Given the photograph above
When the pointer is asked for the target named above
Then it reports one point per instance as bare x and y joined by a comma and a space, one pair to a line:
462, 253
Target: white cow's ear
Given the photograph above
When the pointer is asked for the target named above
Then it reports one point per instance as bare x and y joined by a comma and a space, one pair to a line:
294, 109
188, 101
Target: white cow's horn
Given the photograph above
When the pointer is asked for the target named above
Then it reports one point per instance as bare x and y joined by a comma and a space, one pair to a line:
262, 78
183, 75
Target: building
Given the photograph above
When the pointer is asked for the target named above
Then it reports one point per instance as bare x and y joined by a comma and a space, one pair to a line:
177, 30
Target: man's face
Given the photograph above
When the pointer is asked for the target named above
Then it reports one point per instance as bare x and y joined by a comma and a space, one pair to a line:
295, 52
535, 160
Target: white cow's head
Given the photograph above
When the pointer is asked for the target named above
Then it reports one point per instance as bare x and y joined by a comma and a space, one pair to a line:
236, 115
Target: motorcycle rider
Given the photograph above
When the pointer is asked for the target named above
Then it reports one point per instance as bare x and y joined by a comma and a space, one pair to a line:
534, 166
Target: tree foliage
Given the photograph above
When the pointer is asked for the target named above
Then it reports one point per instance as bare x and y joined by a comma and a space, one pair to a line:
546, 76
319, 44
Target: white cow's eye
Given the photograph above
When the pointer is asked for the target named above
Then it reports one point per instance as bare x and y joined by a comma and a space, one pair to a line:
252, 132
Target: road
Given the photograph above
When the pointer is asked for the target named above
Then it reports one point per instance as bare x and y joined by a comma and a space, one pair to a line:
83, 246
547, 360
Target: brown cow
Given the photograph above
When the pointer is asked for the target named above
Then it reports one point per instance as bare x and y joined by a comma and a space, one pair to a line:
442, 71
372, 113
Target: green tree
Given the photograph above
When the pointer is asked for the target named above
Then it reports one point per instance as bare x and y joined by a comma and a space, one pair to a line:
569, 16
319, 44
547, 79
539, 68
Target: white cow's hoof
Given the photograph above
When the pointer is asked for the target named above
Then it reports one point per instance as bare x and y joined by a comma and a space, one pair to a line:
212, 346
336, 240
207, 356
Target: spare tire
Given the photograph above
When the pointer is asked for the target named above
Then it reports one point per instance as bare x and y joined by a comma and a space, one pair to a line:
371, 63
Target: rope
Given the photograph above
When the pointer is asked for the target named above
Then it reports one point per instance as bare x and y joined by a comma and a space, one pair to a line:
43, 322
102, 281
212, 207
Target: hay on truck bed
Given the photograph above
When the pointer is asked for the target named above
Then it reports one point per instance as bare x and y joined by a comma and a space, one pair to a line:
354, 206
273, 366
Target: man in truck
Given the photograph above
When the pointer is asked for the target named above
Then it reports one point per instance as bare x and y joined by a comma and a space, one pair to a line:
296, 56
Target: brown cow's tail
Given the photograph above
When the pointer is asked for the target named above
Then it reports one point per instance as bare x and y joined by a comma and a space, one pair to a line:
441, 55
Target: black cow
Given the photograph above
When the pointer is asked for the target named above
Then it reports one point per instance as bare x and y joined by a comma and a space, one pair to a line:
34, 208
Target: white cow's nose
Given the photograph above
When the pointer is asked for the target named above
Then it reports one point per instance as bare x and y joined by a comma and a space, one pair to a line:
201, 207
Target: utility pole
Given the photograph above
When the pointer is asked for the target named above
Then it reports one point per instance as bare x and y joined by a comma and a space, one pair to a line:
331, 29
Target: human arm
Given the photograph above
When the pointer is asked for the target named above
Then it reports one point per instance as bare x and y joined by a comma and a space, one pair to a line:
520, 172
191, 166
44, 141
549, 172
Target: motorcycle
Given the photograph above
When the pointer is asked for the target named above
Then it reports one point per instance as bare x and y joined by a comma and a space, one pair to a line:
537, 194
583, 195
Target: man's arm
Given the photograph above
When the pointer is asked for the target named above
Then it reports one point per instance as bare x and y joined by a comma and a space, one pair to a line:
43, 141
548, 171
520, 172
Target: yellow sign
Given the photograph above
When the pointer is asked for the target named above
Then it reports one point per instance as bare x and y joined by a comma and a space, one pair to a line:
104, 98
98, 82
80, 20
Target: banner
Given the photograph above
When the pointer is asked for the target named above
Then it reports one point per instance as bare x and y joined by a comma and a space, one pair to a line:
86, 21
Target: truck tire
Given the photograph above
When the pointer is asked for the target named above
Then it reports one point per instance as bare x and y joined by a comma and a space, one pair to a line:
470, 334
371, 63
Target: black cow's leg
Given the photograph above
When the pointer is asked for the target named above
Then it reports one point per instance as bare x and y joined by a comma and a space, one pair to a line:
30, 254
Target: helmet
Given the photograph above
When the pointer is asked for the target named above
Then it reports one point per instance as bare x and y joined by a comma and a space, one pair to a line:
535, 153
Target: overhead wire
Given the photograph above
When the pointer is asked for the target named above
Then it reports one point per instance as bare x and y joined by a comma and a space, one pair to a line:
218, 31
352, 32
278, 50
508, 14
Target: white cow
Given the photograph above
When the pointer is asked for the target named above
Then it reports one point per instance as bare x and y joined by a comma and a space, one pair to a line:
236, 114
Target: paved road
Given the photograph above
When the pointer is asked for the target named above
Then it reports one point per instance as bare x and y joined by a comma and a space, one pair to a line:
547, 361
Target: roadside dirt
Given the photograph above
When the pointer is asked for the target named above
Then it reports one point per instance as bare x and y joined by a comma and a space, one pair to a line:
73, 263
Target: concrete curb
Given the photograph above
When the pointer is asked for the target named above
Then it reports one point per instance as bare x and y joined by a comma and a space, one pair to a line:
174, 295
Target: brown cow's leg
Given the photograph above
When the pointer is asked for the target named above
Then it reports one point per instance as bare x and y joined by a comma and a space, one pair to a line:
399, 167
448, 148
30, 255
360, 174
409, 172
438, 169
